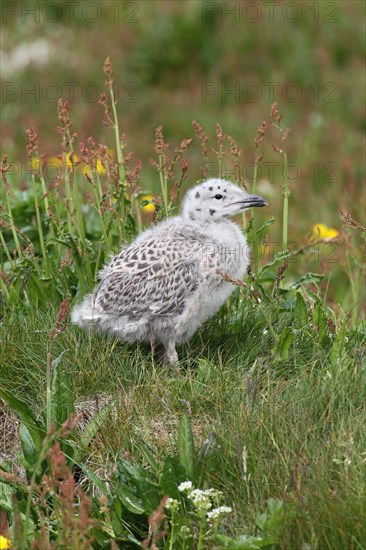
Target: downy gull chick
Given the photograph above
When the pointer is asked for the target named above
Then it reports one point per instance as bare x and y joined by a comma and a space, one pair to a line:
165, 284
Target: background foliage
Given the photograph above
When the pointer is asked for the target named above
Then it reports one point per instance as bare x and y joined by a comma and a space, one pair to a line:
268, 403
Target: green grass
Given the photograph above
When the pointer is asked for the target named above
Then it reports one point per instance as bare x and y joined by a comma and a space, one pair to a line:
278, 375
300, 422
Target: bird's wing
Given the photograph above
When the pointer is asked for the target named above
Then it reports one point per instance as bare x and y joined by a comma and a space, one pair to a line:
152, 277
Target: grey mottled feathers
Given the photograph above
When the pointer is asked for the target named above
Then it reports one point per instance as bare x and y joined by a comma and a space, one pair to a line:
151, 276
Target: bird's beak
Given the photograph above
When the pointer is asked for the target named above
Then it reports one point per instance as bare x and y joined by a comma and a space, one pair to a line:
251, 201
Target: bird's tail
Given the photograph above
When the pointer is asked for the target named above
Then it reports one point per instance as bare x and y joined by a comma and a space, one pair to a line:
87, 313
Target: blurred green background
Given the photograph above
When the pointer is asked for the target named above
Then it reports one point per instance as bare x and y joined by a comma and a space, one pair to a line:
226, 62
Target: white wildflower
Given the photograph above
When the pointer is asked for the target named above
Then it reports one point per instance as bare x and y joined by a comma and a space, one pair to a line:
200, 499
214, 514
185, 531
185, 486
172, 504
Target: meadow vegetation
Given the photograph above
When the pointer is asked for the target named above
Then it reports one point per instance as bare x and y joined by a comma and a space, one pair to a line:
257, 439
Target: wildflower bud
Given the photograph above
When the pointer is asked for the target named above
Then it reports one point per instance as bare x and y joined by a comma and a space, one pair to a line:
219, 134
275, 113
32, 142
200, 134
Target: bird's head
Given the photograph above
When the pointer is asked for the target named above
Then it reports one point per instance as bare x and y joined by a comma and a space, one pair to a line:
216, 199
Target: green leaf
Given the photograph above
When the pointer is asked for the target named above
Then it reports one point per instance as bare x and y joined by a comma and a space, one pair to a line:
62, 404
244, 542
266, 224
308, 278
300, 312
186, 446
283, 343
320, 320
93, 426
133, 472
267, 276
148, 456
36, 429
207, 456
172, 475
339, 343
116, 518
129, 500
147, 490
6, 492
279, 257
275, 516
28, 446
95, 479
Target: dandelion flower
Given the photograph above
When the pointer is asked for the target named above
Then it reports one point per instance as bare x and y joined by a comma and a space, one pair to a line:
4, 543
148, 207
321, 231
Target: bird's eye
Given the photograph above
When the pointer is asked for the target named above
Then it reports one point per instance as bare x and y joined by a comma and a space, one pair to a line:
218, 197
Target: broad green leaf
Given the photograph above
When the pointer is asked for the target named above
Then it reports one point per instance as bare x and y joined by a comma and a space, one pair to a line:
62, 404
172, 475
320, 320
244, 542
283, 343
300, 312
116, 518
129, 500
267, 275
147, 490
36, 429
186, 446
28, 446
133, 472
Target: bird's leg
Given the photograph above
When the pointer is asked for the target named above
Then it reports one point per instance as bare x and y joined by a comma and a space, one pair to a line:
161, 353
152, 343
166, 353
171, 353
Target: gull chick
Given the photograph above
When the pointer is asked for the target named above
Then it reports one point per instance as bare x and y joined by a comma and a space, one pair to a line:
165, 284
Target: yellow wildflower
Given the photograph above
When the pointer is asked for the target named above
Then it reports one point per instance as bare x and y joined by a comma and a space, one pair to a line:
35, 166
321, 231
100, 167
149, 207
57, 162
4, 543
68, 160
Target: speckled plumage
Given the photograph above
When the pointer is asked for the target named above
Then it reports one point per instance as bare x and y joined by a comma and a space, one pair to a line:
164, 285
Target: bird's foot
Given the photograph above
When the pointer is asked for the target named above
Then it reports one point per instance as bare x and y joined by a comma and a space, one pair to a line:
167, 355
